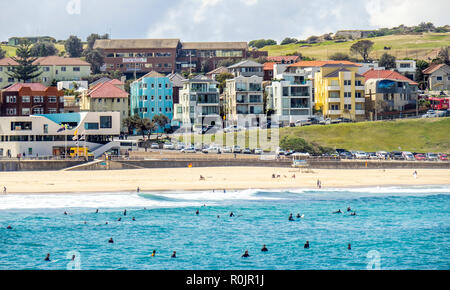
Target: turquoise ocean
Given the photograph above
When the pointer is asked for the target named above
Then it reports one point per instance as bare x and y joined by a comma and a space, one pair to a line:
394, 228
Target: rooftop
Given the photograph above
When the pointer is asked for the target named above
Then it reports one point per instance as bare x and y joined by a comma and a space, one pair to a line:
387, 74
49, 60
246, 63
136, 43
432, 68
107, 90
324, 63
33, 86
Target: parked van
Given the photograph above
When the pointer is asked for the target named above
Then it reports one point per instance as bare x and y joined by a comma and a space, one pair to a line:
408, 156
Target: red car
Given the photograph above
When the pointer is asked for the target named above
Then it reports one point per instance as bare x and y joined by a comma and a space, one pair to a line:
443, 157
420, 157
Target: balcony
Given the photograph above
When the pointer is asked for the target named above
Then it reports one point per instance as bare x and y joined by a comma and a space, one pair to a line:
334, 100
334, 112
334, 88
359, 88
360, 112
360, 100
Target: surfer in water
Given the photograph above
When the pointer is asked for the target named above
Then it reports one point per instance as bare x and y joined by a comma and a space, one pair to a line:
174, 255
336, 212
291, 218
154, 253
306, 245
111, 241
264, 249
245, 255
47, 258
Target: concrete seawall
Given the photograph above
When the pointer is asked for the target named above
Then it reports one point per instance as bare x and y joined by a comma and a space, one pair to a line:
37, 165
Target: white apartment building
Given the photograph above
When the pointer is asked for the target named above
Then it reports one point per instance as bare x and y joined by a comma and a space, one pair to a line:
243, 96
290, 96
199, 102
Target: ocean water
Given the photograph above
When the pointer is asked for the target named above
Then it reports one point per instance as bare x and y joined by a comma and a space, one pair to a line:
395, 228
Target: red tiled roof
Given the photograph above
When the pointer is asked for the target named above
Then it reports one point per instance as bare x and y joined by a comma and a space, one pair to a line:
107, 90
286, 58
33, 86
432, 68
269, 65
49, 60
322, 63
387, 74
116, 82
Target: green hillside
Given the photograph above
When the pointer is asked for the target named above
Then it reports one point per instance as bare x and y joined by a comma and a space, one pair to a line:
424, 46
419, 135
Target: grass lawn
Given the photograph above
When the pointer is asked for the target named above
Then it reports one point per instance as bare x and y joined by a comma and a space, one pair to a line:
425, 46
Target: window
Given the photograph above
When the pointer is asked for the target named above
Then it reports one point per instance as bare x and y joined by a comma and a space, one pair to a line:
38, 99
439, 78
46, 68
347, 95
91, 126
52, 99
347, 107
10, 99
63, 68
358, 83
105, 122
10, 80
61, 99
160, 85
358, 95
76, 68
11, 111
52, 111
38, 110
45, 128
118, 100
25, 111
347, 82
334, 107
21, 126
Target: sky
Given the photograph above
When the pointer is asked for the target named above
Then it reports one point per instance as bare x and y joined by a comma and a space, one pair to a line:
211, 20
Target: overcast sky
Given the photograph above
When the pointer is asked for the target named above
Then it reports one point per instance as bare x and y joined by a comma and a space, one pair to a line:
211, 20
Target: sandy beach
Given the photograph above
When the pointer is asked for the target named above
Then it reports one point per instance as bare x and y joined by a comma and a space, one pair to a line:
188, 179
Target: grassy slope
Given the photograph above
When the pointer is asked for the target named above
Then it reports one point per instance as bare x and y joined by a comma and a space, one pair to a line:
11, 50
420, 135
412, 46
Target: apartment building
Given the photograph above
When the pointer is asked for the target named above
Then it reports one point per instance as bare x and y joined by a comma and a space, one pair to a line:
199, 102
339, 90
247, 68
438, 77
152, 95
106, 97
43, 135
137, 57
290, 97
53, 68
388, 91
243, 96
31, 98
205, 56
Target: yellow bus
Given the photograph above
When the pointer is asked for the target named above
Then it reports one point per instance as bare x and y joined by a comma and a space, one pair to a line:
80, 152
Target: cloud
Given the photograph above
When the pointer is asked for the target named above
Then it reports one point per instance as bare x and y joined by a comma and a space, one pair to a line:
390, 13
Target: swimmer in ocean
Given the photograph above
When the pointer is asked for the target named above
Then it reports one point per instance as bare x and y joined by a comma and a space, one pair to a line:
197, 212
349, 246
349, 209
111, 241
47, 258
306, 245
119, 220
291, 218
245, 255
125, 212
9, 228
231, 214
264, 249
96, 211
353, 213
174, 255
154, 253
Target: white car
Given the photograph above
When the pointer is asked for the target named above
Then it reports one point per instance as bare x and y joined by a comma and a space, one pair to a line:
212, 150
258, 151
361, 155
382, 155
408, 156
169, 146
155, 146
227, 150
236, 149
190, 149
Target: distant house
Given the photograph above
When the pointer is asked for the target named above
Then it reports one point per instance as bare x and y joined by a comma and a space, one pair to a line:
53, 68
268, 71
438, 77
19, 40
287, 59
388, 91
220, 70
106, 97
247, 68
30, 99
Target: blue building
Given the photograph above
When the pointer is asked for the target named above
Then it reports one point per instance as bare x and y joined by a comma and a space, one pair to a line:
152, 95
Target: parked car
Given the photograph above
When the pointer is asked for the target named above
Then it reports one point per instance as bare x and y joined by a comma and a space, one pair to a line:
227, 150
301, 123
420, 157
236, 149
326, 121
179, 146
199, 147
372, 155
346, 155
431, 114
154, 146
443, 157
169, 146
258, 151
432, 157
247, 151
212, 150
396, 155
408, 156
190, 149
383, 155
361, 155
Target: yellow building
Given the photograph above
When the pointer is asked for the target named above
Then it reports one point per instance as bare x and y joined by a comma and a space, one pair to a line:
339, 91
106, 97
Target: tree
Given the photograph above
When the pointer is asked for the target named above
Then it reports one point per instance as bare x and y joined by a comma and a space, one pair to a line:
443, 55
260, 43
387, 61
73, 46
340, 56
420, 77
42, 49
363, 48
2, 53
95, 58
288, 40
312, 39
161, 121
144, 126
131, 122
93, 37
26, 70
222, 80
